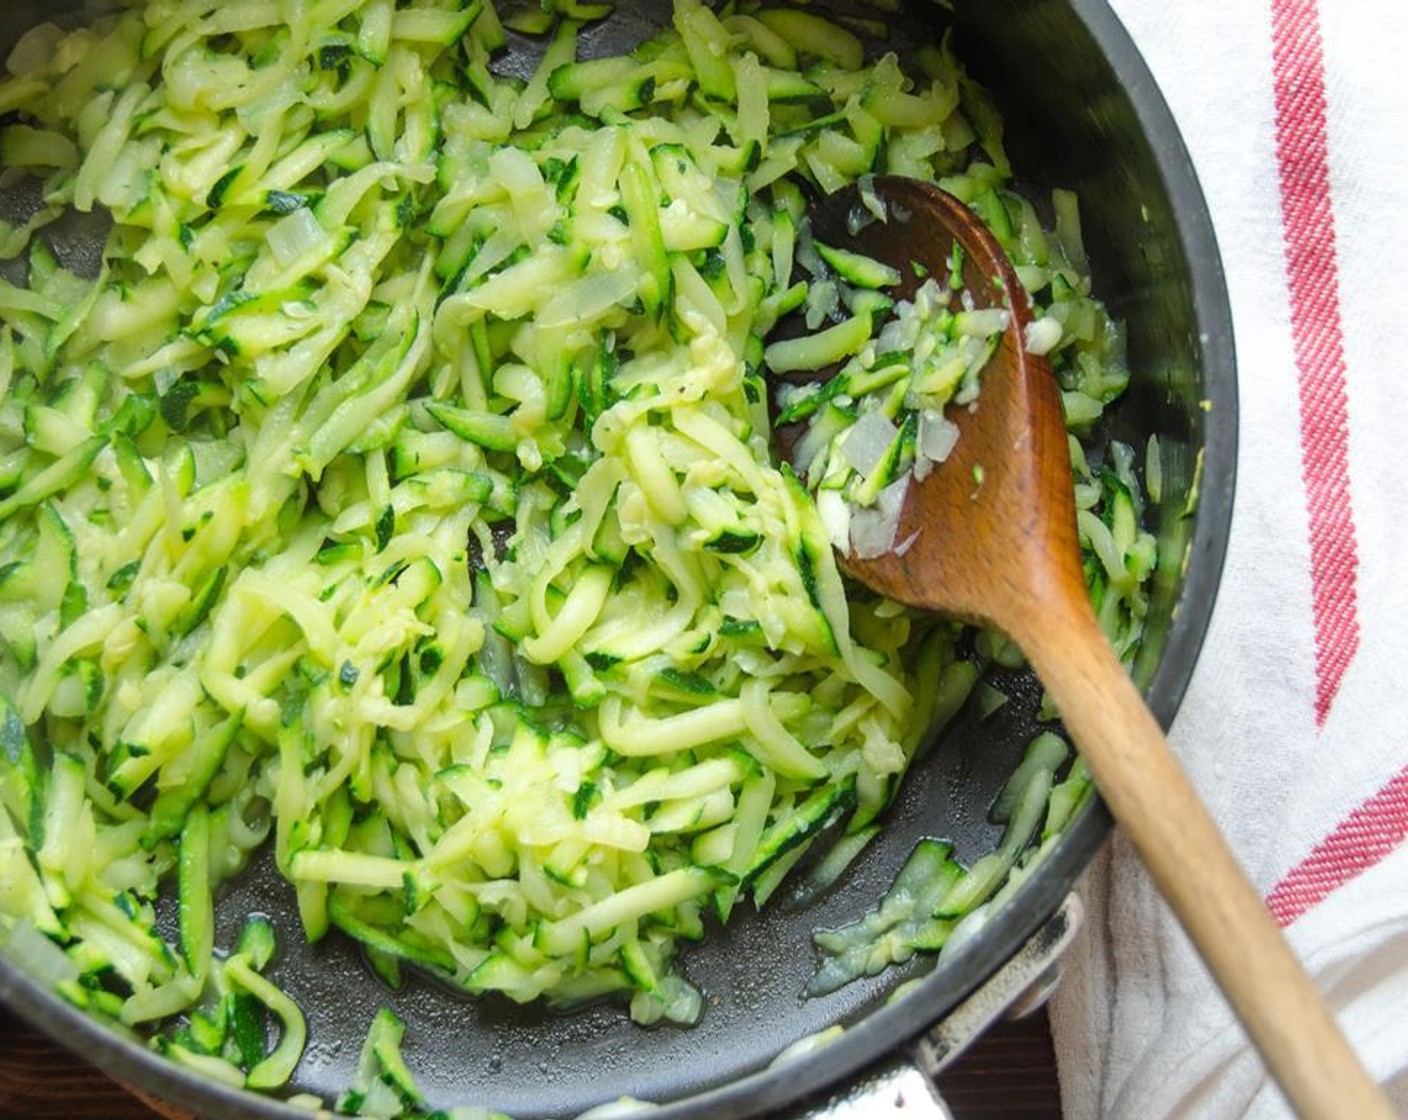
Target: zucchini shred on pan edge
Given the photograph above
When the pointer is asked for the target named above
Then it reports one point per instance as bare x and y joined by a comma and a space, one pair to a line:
401, 488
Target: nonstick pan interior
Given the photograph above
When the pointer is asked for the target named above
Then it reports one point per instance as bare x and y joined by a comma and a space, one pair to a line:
1082, 112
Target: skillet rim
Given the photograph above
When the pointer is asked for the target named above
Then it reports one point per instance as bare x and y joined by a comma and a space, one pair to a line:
886, 1029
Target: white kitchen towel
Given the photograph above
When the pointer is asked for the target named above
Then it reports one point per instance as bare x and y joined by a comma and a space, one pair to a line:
1295, 727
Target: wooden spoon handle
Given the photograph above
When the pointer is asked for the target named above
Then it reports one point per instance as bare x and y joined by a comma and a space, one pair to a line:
1158, 809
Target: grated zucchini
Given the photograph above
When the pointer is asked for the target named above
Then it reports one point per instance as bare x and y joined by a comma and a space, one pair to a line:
400, 489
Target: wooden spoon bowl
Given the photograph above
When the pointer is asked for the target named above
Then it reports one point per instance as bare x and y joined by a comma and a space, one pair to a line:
996, 544
1005, 490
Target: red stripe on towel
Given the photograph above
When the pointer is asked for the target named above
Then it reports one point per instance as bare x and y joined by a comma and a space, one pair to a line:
1363, 838
1312, 268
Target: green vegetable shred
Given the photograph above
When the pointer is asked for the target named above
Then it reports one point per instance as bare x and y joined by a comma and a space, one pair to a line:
395, 494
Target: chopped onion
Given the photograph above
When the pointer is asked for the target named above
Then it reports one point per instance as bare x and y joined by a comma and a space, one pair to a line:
289, 238
867, 441
812, 452
807, 256
905, 330
856, 221
1042, 335
934, 441
873, 529
929, 298
901, 332
823, 298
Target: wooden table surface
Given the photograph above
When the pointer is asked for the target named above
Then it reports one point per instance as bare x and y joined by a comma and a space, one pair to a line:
1009, 1075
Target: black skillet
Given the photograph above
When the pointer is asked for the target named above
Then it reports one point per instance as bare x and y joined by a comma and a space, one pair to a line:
1082, 111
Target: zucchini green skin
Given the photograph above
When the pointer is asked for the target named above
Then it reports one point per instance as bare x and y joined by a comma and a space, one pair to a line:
398, 493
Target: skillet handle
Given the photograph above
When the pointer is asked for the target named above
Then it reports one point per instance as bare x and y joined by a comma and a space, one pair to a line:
895, 1089
902, 1086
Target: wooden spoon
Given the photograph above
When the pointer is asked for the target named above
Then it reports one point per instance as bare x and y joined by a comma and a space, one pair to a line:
996, 544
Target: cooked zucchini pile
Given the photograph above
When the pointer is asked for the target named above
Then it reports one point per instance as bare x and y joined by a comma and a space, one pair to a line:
399, 487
